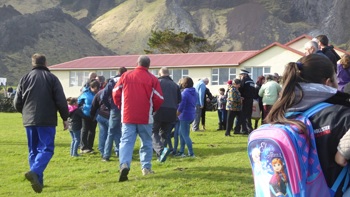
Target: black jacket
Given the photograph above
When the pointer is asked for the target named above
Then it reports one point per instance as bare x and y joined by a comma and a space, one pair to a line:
39, 96
75, 120
247, 88
332, 55
172, 97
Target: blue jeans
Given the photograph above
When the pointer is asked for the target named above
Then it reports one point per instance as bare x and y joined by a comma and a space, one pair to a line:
114, 133
103, 127
41, 145
127, 143
185, 137
197, 119
176, 135
75, 142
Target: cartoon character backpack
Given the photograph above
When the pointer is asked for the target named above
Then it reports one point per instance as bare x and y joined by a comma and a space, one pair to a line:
285, 162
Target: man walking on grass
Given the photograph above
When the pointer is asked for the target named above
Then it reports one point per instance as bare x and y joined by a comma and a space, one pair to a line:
38, 97
138, 94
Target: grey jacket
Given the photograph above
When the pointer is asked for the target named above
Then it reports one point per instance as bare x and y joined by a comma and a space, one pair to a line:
39, 96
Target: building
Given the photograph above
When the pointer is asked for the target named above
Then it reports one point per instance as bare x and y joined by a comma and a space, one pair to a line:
219, 67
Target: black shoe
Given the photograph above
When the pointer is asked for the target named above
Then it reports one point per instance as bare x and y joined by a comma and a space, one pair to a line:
124, 171
227, 135
245, 132
34, 180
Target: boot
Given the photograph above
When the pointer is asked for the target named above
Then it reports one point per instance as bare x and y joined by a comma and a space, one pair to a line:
220, 126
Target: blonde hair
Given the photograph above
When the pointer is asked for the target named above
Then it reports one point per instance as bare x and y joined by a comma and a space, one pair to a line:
345, 61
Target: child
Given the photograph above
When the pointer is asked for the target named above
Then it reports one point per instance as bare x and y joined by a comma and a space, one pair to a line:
233, 106
303, 88
222, 109
74, 125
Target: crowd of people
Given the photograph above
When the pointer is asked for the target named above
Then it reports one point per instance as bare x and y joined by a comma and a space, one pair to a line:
135, 102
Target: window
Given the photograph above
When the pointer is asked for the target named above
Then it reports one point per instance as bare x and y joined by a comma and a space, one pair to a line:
175, 74
78, 78
220, 76
255, 72
107, 73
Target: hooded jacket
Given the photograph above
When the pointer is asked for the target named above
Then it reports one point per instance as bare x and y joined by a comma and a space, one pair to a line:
330, 124
85, 99
39, 96
187, 106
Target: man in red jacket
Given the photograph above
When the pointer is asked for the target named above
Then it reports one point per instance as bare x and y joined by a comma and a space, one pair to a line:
138, 94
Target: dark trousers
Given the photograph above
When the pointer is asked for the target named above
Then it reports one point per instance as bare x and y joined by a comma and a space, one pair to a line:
160, 136
88, 134
231, 115
203, 116
245, 120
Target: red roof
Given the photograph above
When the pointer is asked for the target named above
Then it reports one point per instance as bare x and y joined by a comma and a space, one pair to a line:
298, 38
158, 60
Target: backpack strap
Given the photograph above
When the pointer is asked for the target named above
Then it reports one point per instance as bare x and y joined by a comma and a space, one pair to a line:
316, 108
343, 174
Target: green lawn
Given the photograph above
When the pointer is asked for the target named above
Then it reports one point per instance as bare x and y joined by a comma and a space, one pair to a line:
221, 167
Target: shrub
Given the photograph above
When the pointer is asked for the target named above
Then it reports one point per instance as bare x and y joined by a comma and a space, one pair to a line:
6, 105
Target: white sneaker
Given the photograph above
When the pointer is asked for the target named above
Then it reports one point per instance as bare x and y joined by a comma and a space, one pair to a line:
146, 171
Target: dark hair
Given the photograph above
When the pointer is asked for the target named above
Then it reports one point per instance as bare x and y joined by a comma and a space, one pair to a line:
122, 70
94, 84
187, 82
291, 78
322, 39
237, 81
72, 101
222, 89
259, 81
38, 60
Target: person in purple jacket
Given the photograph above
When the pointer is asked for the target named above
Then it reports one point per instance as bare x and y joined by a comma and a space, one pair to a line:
343, 74
186, 113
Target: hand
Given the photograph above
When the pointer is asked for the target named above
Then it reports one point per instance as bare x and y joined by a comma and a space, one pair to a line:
178, 113
65, 125
340, 159
201, 107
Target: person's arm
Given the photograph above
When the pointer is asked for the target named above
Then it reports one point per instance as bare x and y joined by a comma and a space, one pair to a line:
157, 98
106, 94
117, 92
343, 153
61, 102
17, 101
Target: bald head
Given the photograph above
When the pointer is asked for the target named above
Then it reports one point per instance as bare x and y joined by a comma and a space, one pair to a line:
206, 81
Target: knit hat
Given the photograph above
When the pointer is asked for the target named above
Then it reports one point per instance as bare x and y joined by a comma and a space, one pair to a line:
229, 82
244, 72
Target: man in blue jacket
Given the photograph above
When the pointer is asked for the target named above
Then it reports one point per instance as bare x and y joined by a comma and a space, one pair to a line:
200, 89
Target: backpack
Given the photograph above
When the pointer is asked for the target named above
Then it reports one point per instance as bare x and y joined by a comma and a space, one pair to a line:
284, 161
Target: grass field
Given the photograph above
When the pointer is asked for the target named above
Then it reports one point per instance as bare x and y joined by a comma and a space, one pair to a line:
221, 167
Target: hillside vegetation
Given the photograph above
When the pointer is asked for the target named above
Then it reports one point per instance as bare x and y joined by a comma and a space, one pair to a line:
65, 30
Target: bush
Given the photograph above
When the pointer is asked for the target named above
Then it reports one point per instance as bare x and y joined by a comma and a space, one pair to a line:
6, 105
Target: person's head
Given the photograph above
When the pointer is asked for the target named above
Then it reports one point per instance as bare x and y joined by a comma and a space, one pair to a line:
243, 74
260, 80
121, 70
345, 61
276, 77
310, 47
38, 60
187, 82
269, 77
206, 81
164, 71
101, 79
180, 83
92, 75
222, 91
311, 69
322, 40
94, 86
236, 83
144, 61
72, 101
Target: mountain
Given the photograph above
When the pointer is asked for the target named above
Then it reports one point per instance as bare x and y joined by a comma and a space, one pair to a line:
66, 30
